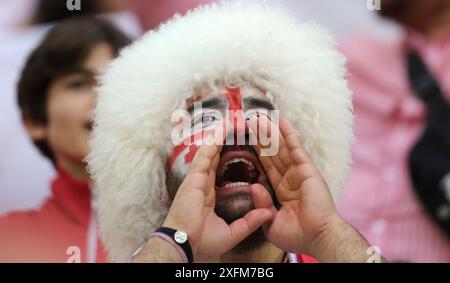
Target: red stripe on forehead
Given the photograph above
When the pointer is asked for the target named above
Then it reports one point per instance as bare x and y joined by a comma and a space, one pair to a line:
234, 98
235, 114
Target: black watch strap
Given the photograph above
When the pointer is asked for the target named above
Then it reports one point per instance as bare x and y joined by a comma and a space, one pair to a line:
180, 238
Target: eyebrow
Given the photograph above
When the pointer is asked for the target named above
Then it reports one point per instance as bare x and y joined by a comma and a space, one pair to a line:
88, 72
213, 102
80, 71
255, 102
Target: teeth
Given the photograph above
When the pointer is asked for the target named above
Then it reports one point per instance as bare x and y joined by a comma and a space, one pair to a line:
236, 184
222, 170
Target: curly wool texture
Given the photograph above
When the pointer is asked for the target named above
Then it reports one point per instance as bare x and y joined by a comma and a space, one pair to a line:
230, 42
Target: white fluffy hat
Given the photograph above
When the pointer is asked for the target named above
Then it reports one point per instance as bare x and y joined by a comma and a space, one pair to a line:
227, 42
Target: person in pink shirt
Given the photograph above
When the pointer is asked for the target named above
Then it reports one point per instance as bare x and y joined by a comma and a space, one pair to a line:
383, 199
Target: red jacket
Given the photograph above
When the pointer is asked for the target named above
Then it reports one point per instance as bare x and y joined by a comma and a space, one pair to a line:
63, 229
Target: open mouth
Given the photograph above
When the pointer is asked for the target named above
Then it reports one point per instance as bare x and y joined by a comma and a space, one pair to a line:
238, 167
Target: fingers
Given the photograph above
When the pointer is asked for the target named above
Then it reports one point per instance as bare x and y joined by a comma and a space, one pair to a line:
270, 168
290, 167
272, 172
204, 165
261, 198
273, 167
243, 227
297, 152
265, 132
207, 155
214, 164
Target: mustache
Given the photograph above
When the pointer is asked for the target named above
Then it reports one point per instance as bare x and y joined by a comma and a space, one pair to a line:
235, 147
228, 148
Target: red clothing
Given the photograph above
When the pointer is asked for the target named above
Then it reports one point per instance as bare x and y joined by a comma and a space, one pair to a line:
63, 229
306, 259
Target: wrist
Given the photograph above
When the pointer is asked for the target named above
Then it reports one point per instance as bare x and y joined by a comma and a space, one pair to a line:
320, 241
158, 250
176, 226
179, 239
338, 241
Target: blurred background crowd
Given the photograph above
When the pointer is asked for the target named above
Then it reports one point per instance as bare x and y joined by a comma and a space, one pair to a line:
398, 52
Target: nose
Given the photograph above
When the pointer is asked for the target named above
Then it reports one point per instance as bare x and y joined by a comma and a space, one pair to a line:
239, 127
236, 118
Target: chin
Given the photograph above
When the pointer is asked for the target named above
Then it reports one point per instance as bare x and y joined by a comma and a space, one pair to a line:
237, 206
234, 206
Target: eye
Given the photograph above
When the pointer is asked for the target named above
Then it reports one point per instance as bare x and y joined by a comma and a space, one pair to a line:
205, 119
256, 113
208, 119
80, 84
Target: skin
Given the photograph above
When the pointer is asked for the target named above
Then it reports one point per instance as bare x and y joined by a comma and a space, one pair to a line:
213, 109
315, 227
231, 203
70, 101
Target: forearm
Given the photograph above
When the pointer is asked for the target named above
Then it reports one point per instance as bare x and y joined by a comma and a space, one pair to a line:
340, 242
158, 250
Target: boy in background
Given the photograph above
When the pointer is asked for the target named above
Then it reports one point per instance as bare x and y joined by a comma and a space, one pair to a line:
56, 95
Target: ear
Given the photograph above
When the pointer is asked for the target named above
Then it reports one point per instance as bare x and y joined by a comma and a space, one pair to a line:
36, 130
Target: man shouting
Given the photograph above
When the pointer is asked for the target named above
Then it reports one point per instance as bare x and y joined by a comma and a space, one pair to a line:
219, 138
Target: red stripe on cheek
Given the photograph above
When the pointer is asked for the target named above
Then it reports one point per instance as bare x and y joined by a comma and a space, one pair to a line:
188, 142
190, 155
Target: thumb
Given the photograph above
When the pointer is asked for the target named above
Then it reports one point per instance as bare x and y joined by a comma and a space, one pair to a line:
262, 198
243, 227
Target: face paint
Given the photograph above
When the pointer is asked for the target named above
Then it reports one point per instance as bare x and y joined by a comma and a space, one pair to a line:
236, 117
183, 153
233, 108
239, 165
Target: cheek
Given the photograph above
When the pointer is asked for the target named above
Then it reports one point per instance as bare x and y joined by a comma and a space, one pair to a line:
66, 117
182, 155
59, 114
68, 110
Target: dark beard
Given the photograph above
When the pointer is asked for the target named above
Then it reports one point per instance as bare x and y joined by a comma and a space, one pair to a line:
229, 211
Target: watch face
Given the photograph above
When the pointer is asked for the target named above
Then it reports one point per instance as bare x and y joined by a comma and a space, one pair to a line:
180, 237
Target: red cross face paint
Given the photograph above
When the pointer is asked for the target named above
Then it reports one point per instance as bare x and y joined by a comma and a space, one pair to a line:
232, 107
239, 165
